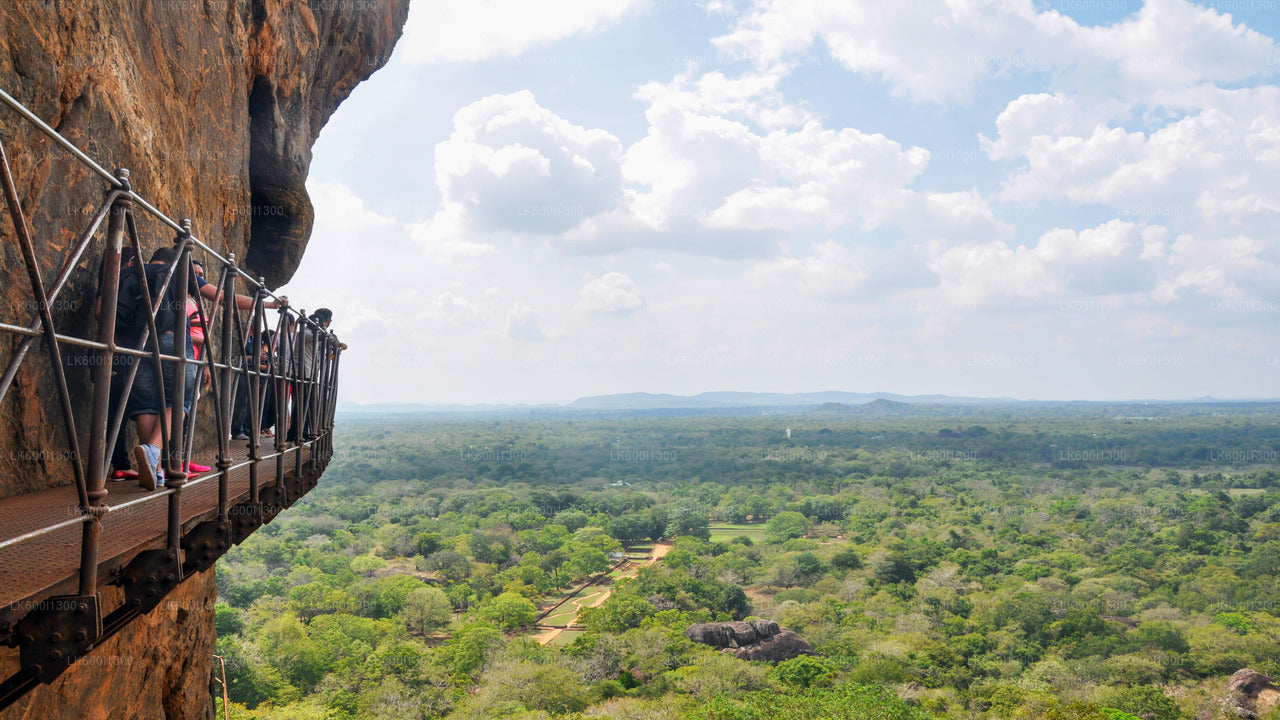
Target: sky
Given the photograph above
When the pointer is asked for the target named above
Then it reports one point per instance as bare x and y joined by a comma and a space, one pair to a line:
539, 201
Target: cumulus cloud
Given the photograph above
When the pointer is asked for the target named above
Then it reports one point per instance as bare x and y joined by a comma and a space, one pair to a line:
1114, 258
444, 31
832, 270
1220, 162
512, 165
612, 292
940, 51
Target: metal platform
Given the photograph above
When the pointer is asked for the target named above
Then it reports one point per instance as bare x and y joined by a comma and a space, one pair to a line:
48, 565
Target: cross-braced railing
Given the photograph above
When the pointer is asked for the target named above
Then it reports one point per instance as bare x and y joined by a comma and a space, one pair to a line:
297, 366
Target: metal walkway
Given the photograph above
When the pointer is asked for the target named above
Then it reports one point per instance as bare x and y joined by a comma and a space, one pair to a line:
47, 565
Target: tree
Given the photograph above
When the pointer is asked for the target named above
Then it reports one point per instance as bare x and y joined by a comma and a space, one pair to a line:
425, 543
847, 559
508, 611
426, 609
786, 525
572, 519
451, 564
385, 597
470, 645
808, 566
585, 561
629, 527
688, 519
804, 671
367, 564
227, 620
551, 689
618, 613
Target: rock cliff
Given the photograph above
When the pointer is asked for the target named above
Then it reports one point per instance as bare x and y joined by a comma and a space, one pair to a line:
157, 667
213, 106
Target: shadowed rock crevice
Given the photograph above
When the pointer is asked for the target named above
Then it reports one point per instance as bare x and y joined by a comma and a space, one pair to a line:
280, 211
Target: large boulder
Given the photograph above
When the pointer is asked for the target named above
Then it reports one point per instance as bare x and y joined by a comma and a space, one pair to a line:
783, 646
1254, 692
755, 640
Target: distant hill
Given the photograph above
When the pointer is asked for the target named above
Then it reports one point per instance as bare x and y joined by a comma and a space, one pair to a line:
816, 404
640, 401
875, 408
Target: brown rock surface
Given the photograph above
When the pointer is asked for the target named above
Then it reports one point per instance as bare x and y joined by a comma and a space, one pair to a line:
157, 667
1255, 693
213, 106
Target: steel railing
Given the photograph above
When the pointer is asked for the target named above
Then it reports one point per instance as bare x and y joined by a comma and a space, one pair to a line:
299, 366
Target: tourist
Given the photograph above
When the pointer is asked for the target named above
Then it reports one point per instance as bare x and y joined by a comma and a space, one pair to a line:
144, 398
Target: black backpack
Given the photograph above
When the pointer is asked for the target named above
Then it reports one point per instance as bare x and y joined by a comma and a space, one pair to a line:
131, 309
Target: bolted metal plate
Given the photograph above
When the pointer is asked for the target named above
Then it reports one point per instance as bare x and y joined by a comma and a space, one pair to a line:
60, 630
150, 577
202, 547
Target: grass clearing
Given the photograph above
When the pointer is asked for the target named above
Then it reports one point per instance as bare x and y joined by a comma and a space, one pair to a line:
567, 636
725, 533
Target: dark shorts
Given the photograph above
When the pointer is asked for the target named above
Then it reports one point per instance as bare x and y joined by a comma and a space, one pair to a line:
144, 398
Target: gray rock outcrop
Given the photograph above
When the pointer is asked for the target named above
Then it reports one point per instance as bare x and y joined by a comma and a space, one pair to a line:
755, 640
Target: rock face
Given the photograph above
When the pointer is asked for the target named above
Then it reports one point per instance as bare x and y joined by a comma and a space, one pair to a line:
755, 640
213, 106
1255, 693
157, 667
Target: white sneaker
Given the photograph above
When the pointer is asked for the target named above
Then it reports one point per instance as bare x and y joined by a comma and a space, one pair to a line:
146, 471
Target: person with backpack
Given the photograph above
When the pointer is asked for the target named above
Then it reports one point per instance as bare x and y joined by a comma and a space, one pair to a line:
144, 397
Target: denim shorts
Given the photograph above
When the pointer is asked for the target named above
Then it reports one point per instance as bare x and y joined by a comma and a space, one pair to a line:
144, 398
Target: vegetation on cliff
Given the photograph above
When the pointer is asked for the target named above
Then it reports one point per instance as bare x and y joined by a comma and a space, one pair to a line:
1046, 568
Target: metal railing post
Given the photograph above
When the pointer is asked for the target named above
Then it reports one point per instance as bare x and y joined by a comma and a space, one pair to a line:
296, 429
102, 372
255, 393
175, 442
230, 383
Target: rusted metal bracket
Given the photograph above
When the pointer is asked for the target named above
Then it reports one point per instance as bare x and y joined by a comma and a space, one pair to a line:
245, 518
60, 630
202, 547
274, 500
151, 575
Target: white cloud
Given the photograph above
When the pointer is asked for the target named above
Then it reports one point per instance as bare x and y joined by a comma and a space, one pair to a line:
341, 211
513, 166
522, 324
832, 270
612, 292
457, 311
1117, 258
449, 31
942, 49
1213, 169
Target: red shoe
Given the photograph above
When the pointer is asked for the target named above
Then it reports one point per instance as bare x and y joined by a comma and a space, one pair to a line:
197, 468
124, 475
